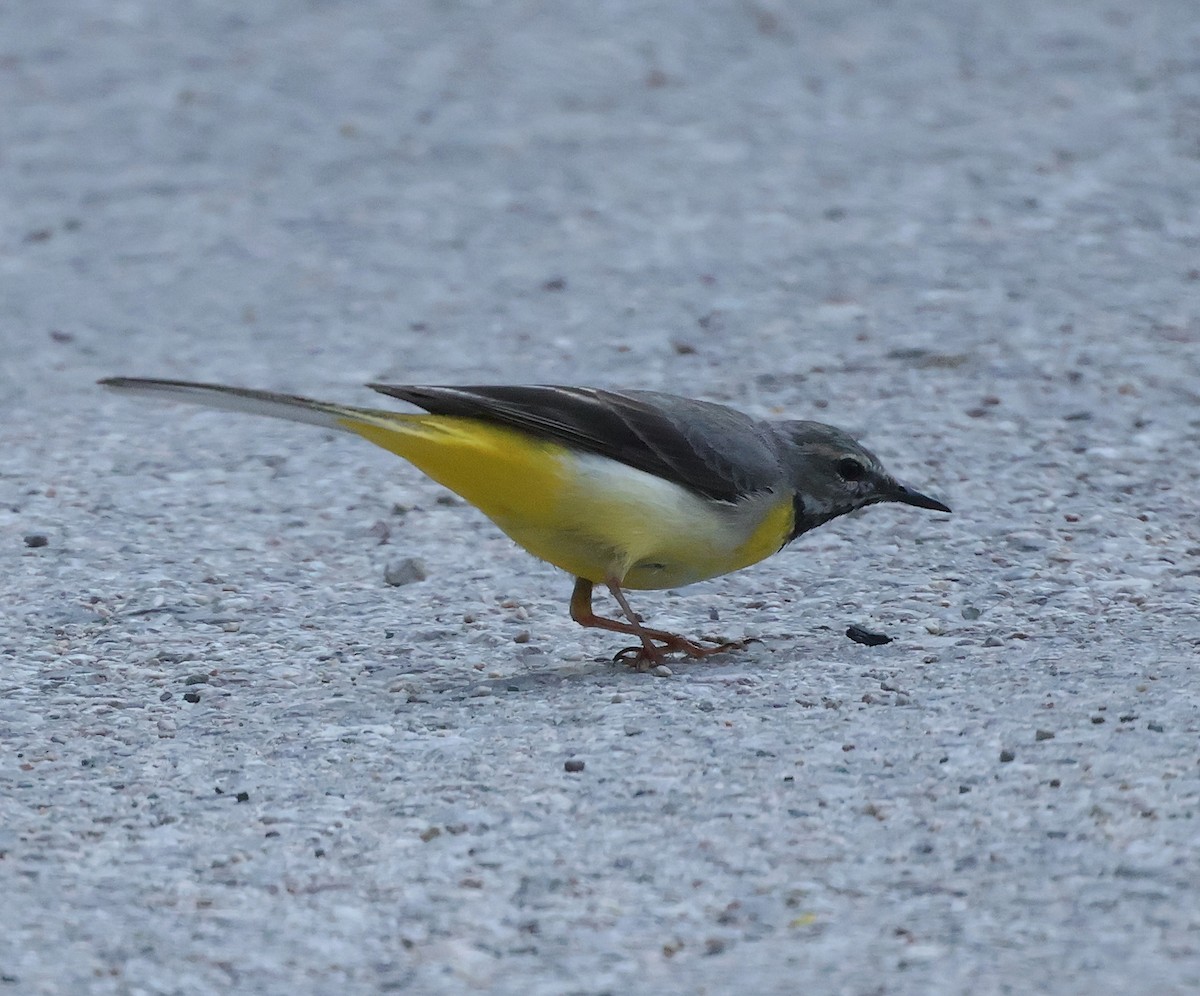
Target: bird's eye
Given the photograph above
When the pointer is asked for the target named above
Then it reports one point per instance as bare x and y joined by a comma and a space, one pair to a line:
850, 469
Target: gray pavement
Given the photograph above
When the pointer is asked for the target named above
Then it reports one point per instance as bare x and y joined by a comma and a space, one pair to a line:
236, 760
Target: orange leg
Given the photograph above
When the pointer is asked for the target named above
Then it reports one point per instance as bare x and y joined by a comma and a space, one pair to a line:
656, 643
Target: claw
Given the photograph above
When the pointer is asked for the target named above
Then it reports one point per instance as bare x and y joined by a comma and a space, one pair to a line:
638, 658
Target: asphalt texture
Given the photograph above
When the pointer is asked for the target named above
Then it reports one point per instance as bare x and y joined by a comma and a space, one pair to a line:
278, 716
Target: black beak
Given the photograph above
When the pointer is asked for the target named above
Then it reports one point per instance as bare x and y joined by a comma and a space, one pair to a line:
908, 496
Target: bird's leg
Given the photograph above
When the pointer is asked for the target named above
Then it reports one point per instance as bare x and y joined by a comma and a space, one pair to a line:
650, 652
581, 612
669, 641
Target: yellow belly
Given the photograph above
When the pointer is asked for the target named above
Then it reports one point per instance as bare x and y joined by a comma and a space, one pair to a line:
593, 517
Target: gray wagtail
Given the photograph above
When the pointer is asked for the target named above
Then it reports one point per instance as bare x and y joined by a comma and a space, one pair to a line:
629, 489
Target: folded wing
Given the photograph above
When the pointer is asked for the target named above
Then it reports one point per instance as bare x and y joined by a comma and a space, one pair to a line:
710, 449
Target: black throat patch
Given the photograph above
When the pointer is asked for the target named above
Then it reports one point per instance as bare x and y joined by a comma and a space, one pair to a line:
803, 520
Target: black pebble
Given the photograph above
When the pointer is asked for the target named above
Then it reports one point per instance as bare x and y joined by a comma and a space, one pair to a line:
866, 637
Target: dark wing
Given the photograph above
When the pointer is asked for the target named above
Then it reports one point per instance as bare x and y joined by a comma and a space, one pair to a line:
710, 449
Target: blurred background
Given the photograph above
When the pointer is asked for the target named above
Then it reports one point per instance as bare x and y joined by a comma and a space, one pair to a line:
721, 198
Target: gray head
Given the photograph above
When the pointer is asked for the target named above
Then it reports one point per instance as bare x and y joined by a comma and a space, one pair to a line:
832, 475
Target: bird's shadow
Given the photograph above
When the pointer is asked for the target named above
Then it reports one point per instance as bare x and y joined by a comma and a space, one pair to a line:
599, 671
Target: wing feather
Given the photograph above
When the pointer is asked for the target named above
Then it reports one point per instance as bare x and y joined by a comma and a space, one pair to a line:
710, 449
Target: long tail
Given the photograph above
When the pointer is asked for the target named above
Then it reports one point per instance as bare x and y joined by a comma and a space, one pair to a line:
525, 484
292, 407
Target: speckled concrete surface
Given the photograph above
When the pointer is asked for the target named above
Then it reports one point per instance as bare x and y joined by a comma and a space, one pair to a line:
236, 760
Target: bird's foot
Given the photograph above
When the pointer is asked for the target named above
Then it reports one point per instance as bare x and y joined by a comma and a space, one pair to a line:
652, 653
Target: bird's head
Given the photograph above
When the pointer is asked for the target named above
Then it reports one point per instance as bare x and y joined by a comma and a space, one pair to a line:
832, 475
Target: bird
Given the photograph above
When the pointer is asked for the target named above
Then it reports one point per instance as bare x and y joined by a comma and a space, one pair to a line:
629, 489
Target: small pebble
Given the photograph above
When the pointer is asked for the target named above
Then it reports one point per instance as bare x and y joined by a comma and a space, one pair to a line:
1044, 735
866, 637
405, 570
36, 539
1006, 756
971, 612
192, 697
661, 671
573, 766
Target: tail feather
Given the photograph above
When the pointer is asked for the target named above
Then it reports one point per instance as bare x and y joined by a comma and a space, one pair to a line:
240, 399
